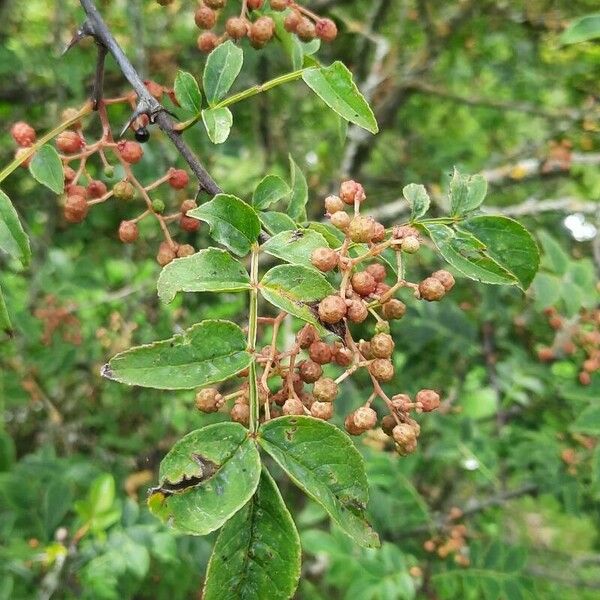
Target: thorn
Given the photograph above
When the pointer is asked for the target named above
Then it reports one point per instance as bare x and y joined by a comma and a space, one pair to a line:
83, 31
142, 108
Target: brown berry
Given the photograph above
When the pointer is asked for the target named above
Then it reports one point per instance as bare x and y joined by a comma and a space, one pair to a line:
357, 311
76, 190
166, 253
188, 223
178, 179
310, 371
131, 152
293, 406
75, 209
69, 142
306, 336
292, 21
333, 204
261, 31
343, 357
236, 28
128, 232
365, 349
382, 369
400, 232
324, 259
187, 205
387, 424
185, 250
207, 41
350, 426
361, 229
332, 309
23, 134
393, 309
208, 400
279, 4
325, 389
382, 345
378, 232
365, 418
431, 289
403, 434
377, 271
322, 410
326, 30
428, 399
215, 4
124, 191
446, 279
96, 188
69, 174
305, 29
363, 283
351, 192
340, 220
320, 352
240, 413
205, 17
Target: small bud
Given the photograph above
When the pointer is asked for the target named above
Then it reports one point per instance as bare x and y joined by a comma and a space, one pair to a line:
185, 250
158, 206
357, 312
131, 152
187, 205
403, 434
350, 426
166, 253
292, 21
428, 399
410, 244
365, 418
333, 204
96, 188
361, 229
305, 29
205, 17
69, 142
261, 31
240, 413
75, 209
189, 223
310, 371
326, 30
343, 357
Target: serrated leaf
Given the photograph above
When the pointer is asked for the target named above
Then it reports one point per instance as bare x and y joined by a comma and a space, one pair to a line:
210, 270
217, 122
466, 192
233, 223
296, 246
206, 478
257, 553
582, 29
323, 462
418, 198
299, 196
13, 240
207, 353
223, 65
335, 86
296, 290
47, 168
276, 222
270, 190
187, 92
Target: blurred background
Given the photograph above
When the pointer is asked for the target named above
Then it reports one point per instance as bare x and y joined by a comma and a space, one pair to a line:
502, 498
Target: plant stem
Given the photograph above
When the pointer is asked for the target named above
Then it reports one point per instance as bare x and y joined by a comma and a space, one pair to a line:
248, 93
85, 110
252, 331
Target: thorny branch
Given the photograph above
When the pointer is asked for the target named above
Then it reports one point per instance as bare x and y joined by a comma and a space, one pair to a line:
97, 28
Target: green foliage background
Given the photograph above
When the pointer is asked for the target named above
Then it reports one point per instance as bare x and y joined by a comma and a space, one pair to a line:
472, 84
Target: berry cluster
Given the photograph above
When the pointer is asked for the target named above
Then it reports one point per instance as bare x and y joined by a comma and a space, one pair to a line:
452, 543
302, 380
259, 27
83, 188
57, 317
579, 337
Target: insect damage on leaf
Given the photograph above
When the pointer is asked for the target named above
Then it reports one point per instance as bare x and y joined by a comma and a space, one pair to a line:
206, 469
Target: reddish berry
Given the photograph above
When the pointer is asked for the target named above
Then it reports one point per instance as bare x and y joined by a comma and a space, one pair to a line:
365, 418
340, 220
393, 309
326, 30
75, 209
131, 152
76, 190
343, 357
332, 309
23, 134
124, 191
208, 400
293, 406
324, 259
207, 42
305, 29
261, 31
292, 21
378, 232
320, 352
185, 250
377, 271
363, 283
187, 205
545, 354
325, 389
361, 229
178, 179
96, 188
240, 413
188, 223
584, 378
388, 423
322, 410
310, 371
128, 232
382, 345
429, 400
205, 17
236, 28
382, 369
69, 174
306, 336
166, 253
351, 192
445, 278
69, 142
254, 4
350, 426
400, 232
431, 289
154, 88
357, 311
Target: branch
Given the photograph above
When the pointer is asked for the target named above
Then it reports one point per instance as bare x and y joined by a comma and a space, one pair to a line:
97, 28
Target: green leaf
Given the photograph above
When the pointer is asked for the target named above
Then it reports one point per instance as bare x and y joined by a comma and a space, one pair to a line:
588, 421
46, 167
418, 198
335, 86
208, 352
187, 92
217, 122
233, 223
299, 198
582, 29
546, 290
206, 478
271, 189
508, 243
323, 462
13, 240
276, 222
102, 493
334, 237
296, 290
223, 66
554, 258
210, 270
257, 553
5, 324
295, 247
466, 192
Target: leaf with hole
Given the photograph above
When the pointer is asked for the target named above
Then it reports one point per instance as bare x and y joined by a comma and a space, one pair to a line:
210, 270
206, 478
47, 168
233, 223
322, 460
257, 553
206, 353
335, 86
